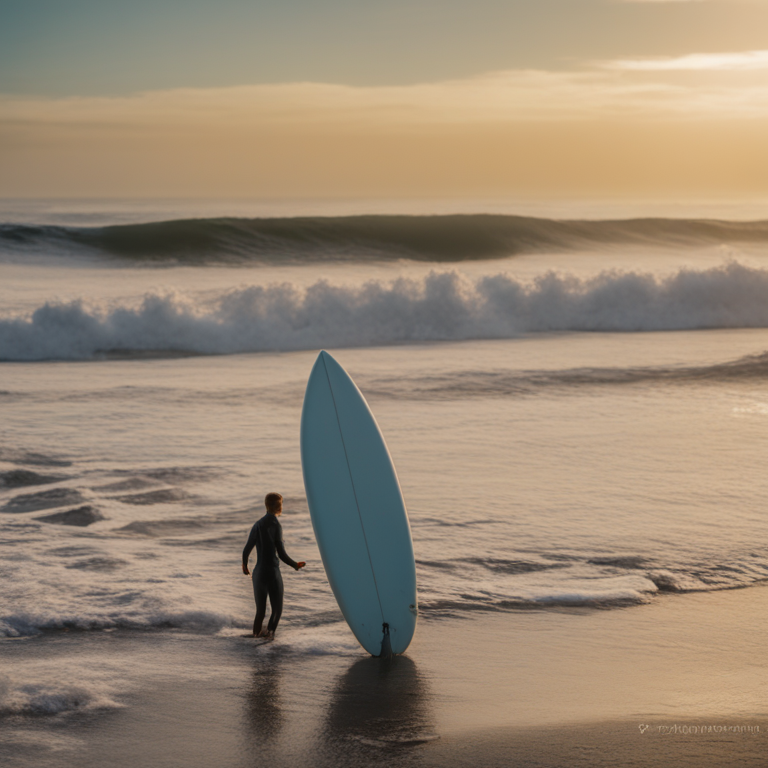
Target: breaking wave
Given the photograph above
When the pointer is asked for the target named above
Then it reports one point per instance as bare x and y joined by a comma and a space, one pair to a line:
444, 238
444, 306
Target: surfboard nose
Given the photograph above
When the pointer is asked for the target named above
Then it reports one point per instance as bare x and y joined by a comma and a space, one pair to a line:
322, 361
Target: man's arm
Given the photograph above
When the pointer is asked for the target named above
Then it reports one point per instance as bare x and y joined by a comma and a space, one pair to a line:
249, 545
280, 547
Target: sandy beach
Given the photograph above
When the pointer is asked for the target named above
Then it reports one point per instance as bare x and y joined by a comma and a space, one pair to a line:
677, 682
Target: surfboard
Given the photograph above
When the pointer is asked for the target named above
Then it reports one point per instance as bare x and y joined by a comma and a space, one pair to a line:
357, 510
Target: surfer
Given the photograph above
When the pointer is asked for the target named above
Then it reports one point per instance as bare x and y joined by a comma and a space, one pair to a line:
267, 536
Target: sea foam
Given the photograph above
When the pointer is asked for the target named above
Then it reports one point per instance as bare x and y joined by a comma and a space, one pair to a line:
443, 306
56, 692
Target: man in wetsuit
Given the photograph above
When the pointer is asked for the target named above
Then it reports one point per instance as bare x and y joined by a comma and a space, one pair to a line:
267, 536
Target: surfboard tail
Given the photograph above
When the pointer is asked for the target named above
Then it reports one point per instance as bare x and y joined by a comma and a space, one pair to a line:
386, 645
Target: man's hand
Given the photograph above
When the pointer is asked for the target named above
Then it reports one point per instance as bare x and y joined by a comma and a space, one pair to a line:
300, 565
245, 569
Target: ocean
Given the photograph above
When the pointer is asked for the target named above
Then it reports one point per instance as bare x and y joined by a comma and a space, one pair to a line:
576, 403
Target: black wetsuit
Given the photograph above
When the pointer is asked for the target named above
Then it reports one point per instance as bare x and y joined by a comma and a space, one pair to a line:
267, 536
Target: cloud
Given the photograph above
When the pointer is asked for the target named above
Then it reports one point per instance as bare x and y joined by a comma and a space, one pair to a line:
593, 131
642, 89
744, 61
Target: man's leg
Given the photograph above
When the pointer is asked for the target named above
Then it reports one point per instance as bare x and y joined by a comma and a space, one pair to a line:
260, 596
275, 601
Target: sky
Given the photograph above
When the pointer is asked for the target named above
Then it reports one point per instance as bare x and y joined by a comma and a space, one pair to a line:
343, 98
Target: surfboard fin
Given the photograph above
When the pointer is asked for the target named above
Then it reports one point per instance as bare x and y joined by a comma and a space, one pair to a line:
386, 645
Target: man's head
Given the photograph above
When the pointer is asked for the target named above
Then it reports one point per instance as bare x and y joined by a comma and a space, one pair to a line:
273, 503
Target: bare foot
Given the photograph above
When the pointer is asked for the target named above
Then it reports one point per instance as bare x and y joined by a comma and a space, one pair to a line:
263, 633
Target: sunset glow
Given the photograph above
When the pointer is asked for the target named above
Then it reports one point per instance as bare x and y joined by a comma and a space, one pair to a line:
668, 110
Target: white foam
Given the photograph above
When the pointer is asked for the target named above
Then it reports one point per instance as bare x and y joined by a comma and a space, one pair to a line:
53, 690
44, 594
326, 640
440, 306
33, 621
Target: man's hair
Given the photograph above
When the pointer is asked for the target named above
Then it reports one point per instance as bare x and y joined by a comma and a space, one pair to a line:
271, 500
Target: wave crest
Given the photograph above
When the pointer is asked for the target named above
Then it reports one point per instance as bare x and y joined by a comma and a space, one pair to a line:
444, 238
443, 306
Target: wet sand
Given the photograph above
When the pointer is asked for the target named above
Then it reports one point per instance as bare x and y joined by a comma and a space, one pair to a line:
599, 745
678, 682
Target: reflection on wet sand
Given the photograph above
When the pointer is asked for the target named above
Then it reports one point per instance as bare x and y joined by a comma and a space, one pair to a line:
263, 711
376, 710
379, 705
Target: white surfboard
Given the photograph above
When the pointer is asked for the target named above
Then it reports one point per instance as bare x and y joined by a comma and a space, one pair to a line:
357, 511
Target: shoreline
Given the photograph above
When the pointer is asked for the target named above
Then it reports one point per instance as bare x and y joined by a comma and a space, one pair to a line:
529, 688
